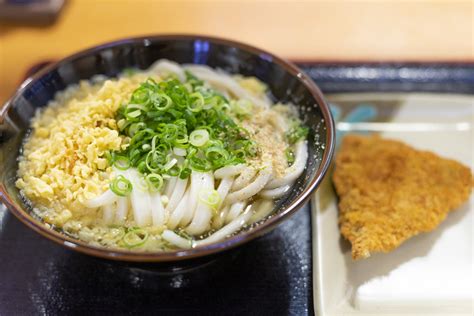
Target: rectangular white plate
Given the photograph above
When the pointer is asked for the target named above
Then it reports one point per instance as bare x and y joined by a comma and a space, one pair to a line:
430, 274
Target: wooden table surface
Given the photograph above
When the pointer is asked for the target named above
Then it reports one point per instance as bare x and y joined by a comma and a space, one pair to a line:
302, 30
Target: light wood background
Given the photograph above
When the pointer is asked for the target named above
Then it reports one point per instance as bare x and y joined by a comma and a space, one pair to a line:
304, 30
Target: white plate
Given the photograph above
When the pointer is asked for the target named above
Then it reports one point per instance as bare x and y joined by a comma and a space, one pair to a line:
430, 274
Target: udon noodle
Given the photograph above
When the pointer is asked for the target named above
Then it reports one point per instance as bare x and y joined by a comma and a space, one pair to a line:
173, 157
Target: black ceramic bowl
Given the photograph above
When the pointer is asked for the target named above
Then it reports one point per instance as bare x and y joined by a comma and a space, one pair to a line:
285, 81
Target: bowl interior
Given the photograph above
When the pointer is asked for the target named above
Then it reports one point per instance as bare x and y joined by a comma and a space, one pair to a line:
286, 84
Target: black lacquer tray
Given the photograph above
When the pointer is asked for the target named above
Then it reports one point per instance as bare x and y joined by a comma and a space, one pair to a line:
269, 276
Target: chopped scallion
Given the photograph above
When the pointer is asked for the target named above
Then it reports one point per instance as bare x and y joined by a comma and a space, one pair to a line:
290, 156
210, 198
121, 162
135, 237
199, 137
155, 181
173, 127
179, 151
296, 133
121, 186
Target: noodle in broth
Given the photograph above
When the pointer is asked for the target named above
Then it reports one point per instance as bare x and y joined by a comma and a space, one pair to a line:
173, 157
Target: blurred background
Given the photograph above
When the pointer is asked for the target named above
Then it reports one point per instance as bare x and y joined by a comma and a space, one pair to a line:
35, 31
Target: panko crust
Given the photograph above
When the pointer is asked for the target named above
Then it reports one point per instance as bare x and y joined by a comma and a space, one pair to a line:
389, 192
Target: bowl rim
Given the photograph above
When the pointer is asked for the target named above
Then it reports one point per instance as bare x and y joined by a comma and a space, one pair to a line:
234, 241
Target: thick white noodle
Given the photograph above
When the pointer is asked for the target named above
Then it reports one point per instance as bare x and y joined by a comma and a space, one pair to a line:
122, 210
226, 82
253, 188
234, 211
229, 171
261, 210
176, 240
177, 214
169, 186
108, 197
141, 202
197, 179
228, 229
176, 195
292, 173
224, 188
109, 213
158, 214
244, 179
203, 214
219, 219
165, 66
275, 193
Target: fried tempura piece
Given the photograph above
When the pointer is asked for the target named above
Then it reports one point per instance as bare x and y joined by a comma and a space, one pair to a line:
389, 192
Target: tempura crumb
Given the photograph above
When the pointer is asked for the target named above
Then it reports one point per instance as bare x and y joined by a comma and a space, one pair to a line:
63, 160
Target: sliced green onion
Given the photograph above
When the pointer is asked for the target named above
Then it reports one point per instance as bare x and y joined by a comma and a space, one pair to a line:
199, 137
179, 151
169, 134
199, 164
211, 102
121, 162
121, 186
174, 171
121, 124
181, 138
189, 120
184, 173
192, 79
251, 149
110, 156
170, 164
217, 155
141, 167
135, 127
290, 156
161, 101
210, 198
152, 161
296, 133
135, 156
224, 107
135, 238
140, 95
132, 106
197, 102
242, 107
134, 114
155, 181
153, 142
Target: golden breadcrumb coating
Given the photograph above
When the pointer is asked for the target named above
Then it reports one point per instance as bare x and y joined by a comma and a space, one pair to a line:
389, 192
